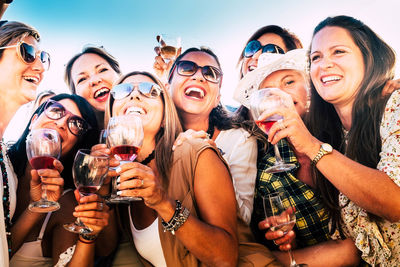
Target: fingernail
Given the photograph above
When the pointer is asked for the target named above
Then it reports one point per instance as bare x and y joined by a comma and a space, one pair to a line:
178, 142
119, 193
118, 180
118, 169
173, 147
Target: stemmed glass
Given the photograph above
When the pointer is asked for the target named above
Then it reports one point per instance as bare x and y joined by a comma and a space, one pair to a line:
124, 138
263, 100
43, 146
89, 170
169, 46
281, 216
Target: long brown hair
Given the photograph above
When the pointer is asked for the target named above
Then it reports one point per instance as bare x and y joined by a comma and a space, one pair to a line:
167, 134
324, 123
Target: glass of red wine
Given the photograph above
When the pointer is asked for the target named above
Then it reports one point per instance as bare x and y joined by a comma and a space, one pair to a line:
261, 101
89, 170
124, 138
280, 211
43, 146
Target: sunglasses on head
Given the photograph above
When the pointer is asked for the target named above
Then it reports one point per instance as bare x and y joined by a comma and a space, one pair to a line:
76, 125
253, 46
28, 54
189, 68
148, 89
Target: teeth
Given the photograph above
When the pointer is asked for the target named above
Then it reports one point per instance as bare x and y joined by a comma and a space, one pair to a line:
330, 78
194, 89
32, 79
101, 92
134, 110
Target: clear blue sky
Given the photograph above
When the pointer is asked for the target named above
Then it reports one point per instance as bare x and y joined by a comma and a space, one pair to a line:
127, 28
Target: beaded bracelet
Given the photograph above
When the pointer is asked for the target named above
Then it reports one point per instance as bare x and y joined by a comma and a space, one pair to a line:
87, 239
178, 219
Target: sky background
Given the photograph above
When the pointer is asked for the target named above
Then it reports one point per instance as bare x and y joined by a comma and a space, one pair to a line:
127, 28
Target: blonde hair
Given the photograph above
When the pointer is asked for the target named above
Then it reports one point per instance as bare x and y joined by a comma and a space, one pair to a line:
168, 132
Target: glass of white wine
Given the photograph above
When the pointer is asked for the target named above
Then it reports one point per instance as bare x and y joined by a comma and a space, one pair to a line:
169, 46
280, 212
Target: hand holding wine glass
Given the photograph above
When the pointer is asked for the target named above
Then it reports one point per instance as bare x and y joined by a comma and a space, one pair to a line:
280, 214
261, 101
88, 171
43, 148
168, 49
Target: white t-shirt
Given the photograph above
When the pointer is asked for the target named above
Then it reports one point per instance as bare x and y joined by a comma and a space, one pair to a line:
18, 123
239, 149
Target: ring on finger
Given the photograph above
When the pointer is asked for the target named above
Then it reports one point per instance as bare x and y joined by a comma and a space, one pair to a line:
275, 243
281, 124
141, 185
101, 206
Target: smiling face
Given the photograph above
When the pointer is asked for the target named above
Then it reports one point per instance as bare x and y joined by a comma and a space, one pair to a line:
292, 82
93, 78
68, 140
337, 65
19, 78
193, 94
249, 64
150, 110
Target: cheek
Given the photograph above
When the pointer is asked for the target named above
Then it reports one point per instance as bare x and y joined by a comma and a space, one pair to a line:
83, 91
117, 107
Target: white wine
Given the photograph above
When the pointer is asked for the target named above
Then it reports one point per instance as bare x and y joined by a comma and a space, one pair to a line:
284, 227
168, 52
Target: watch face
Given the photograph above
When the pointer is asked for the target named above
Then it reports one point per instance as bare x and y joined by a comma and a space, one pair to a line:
327, 147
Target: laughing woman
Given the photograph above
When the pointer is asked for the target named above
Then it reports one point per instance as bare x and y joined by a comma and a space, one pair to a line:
91, 74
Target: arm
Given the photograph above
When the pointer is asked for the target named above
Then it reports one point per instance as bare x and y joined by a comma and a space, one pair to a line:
369, 188
216, 201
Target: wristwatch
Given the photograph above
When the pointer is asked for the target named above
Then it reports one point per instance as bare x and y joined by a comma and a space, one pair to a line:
324, 150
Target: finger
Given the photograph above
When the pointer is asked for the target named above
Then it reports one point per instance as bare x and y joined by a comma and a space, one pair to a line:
90, 198
35, 181
102, 222
157, 50
48, 173
53, 181
58, 165
263, 225
273, 235
101, 147
133, 183
92, 206
52, 188
160, 61
179, 52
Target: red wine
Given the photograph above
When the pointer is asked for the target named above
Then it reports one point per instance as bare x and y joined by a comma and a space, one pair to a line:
125, 152
88, 190
265, 125
42, 162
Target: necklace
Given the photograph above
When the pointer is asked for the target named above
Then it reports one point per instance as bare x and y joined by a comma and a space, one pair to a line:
210, 129
6, 198
149, 158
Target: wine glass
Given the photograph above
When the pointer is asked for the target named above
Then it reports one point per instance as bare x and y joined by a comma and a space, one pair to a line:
43, 146
169, 46
280, 212
124, 138
263, 100
89, 170
103, 136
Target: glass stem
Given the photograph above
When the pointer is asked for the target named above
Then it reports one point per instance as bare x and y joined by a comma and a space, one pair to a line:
277, 155
291, 258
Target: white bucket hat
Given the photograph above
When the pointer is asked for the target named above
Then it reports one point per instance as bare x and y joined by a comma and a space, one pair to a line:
268, 63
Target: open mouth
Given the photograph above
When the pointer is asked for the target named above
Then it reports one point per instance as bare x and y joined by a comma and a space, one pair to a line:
330, 79
102, 94
135, 111
251, 68
195, 92
32, 79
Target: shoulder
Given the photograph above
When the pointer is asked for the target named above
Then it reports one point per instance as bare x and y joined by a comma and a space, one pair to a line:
191, 147
391, 116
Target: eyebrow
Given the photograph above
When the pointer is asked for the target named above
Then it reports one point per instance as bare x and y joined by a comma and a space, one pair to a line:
97, 66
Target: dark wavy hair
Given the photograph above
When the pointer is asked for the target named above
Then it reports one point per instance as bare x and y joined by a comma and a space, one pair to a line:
323, 121
17, 152
219, 116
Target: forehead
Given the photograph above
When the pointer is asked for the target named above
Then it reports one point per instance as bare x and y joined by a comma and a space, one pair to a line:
71, 106
272, 38
138, 78
201, 58
332, 36
86, 62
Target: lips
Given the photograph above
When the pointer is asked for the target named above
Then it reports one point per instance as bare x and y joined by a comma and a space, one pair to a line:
251, 68
102, 94
34, 79
195, 92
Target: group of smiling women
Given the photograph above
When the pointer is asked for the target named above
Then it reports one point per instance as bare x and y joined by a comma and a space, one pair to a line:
201, 170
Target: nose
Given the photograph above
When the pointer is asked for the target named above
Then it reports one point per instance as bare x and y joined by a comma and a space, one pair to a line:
198, 75
326, 62
38, 65
62, 122
135, 93
95, 80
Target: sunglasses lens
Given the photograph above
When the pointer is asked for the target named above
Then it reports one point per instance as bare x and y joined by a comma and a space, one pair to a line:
211, 74
251, 48
77, 125
151, 90
45, 58
27, 52
187, 68
121, 90
271, 48
55, 111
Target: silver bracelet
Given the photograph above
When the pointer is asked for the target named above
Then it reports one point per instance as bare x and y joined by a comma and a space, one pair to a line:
179, 218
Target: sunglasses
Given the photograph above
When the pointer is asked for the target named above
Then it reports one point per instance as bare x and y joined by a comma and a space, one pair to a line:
28, 54
76, 125
189, 68
149, 90
253, 46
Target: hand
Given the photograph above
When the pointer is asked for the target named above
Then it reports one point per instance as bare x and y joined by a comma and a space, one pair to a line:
92, 211
291, 127
191, 134
138, 180
47, 179
162, 68
390, 86
105, 188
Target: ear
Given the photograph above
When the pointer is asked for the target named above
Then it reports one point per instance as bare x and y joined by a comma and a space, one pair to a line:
34, 118
217, 99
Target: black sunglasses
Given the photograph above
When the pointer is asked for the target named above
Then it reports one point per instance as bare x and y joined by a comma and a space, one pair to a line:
148, 89
76, 125
28, 53
189, 68
253, 46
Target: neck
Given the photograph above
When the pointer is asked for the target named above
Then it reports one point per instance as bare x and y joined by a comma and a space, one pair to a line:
345, 115
149, 144
7, 111
195, 122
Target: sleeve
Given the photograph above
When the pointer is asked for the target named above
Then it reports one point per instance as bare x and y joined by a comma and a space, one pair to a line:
243, 166
390, 136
